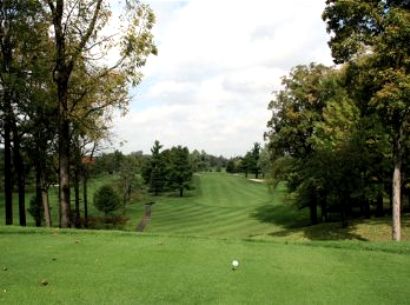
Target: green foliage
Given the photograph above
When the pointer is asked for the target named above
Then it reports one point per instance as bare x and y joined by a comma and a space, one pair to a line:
328, 147
106, 200
374, 35
179, 170
129, 181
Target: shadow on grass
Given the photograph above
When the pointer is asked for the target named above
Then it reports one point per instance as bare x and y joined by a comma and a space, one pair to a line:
294, 221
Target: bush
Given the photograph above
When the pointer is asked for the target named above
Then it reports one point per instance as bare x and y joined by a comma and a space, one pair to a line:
106, 200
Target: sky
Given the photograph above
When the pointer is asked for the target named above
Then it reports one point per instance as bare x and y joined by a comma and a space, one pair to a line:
219, 64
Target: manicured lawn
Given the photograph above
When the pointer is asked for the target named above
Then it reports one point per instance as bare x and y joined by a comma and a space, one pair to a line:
100, 267
225, 205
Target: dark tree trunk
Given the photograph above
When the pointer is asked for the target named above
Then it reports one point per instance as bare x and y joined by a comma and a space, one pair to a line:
366, 208
45, 202
313, 208
323, 207
8, 185
21, 181
379, 204
343, 209
77, 220
181, 192
7, 57
38, 197
85, 200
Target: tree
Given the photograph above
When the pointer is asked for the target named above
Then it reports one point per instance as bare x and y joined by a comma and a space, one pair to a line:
19, 20
296, 112
255, 159
246, 163
76, 33
179, 169
265, 162
154, 171
381, 31
129, 182
106, 200
230, 167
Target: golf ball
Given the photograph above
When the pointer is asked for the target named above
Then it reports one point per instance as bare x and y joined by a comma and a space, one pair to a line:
235, 263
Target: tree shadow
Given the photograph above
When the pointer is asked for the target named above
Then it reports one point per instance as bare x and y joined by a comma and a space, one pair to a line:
294, 221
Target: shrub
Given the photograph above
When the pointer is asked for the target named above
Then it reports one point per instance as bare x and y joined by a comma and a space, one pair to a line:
106, 200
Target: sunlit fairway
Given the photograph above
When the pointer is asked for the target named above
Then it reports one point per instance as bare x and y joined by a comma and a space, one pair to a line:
229, 206
128, 268
224, 205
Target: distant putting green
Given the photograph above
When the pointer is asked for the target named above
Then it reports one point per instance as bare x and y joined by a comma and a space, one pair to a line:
103, 267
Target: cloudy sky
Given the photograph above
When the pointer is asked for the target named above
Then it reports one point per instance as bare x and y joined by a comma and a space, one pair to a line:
219, 62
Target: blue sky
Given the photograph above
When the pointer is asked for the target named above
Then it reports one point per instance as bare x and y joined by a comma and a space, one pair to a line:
219, 62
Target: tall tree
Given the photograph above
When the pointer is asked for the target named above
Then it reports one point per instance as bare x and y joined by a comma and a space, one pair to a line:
381, 30
179, 169
18, 20
76, 33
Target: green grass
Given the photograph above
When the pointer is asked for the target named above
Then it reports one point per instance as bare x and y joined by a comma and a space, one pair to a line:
224, 205
230, 206
185, 255
128, 268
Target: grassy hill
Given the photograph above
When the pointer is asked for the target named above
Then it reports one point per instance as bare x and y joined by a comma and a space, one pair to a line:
101, 267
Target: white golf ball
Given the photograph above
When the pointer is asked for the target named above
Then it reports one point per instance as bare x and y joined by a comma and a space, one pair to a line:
235, 263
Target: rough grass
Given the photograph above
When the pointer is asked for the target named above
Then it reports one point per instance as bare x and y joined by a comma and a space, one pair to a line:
129, 268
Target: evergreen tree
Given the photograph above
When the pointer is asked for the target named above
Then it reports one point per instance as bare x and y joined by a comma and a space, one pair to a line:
179, 169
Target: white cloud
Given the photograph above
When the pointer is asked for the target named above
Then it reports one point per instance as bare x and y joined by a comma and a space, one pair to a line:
218, 63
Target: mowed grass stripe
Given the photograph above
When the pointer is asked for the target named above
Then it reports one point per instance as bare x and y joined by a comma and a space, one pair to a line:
221, 204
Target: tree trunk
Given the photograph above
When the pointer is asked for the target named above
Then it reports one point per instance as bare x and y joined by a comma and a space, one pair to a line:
46, 206
396, 187
379, 204
366, 208
313, 208
21, 181
181, 192
8, 185
85, 199
38, 197
64, 174
77, 220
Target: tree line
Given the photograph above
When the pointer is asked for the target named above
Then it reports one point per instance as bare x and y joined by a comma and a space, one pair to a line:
58, 91
339, 135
